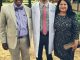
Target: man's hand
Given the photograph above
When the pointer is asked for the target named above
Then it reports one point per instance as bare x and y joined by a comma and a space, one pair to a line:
74, 45
5, 46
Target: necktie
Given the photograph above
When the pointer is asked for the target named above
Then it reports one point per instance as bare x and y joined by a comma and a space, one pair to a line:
44, 22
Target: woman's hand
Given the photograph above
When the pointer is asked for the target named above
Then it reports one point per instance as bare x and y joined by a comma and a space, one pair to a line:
75, 44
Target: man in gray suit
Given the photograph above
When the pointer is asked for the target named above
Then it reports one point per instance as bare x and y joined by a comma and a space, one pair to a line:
15, 29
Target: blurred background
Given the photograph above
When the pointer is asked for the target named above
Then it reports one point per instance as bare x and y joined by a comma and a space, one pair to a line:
4, 55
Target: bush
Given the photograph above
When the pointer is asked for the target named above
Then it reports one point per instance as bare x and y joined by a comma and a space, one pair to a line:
78, 18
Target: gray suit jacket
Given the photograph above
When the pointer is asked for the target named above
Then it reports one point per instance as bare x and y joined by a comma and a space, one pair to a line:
8, 25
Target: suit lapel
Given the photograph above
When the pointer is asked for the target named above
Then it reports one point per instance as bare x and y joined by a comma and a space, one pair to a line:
26, 10
51, 26
51, 14
37, 26
13, 14
27, 14
37, 14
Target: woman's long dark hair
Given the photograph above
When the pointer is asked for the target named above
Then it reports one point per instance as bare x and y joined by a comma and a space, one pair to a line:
69, 10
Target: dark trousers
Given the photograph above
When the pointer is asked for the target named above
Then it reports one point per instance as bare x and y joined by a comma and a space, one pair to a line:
44, 40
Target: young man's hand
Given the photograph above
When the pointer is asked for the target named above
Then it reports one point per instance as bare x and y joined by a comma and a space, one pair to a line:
5, 46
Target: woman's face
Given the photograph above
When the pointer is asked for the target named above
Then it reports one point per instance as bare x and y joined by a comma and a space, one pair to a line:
63, 6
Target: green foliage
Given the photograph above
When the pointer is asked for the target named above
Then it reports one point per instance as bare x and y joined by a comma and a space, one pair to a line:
8, 1
78, 18
78, 1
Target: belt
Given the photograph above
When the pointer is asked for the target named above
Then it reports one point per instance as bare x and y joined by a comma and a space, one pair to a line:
43, 34
22, 36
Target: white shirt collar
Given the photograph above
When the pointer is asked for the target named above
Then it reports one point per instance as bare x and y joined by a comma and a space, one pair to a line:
46, 4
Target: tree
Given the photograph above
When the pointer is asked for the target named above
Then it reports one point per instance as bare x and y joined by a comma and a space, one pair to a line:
29, 3
78, 1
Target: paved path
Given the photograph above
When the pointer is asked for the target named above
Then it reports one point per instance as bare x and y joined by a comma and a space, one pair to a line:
4, 55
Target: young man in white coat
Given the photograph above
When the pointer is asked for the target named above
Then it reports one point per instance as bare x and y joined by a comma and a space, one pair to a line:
15, 29
43, 13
